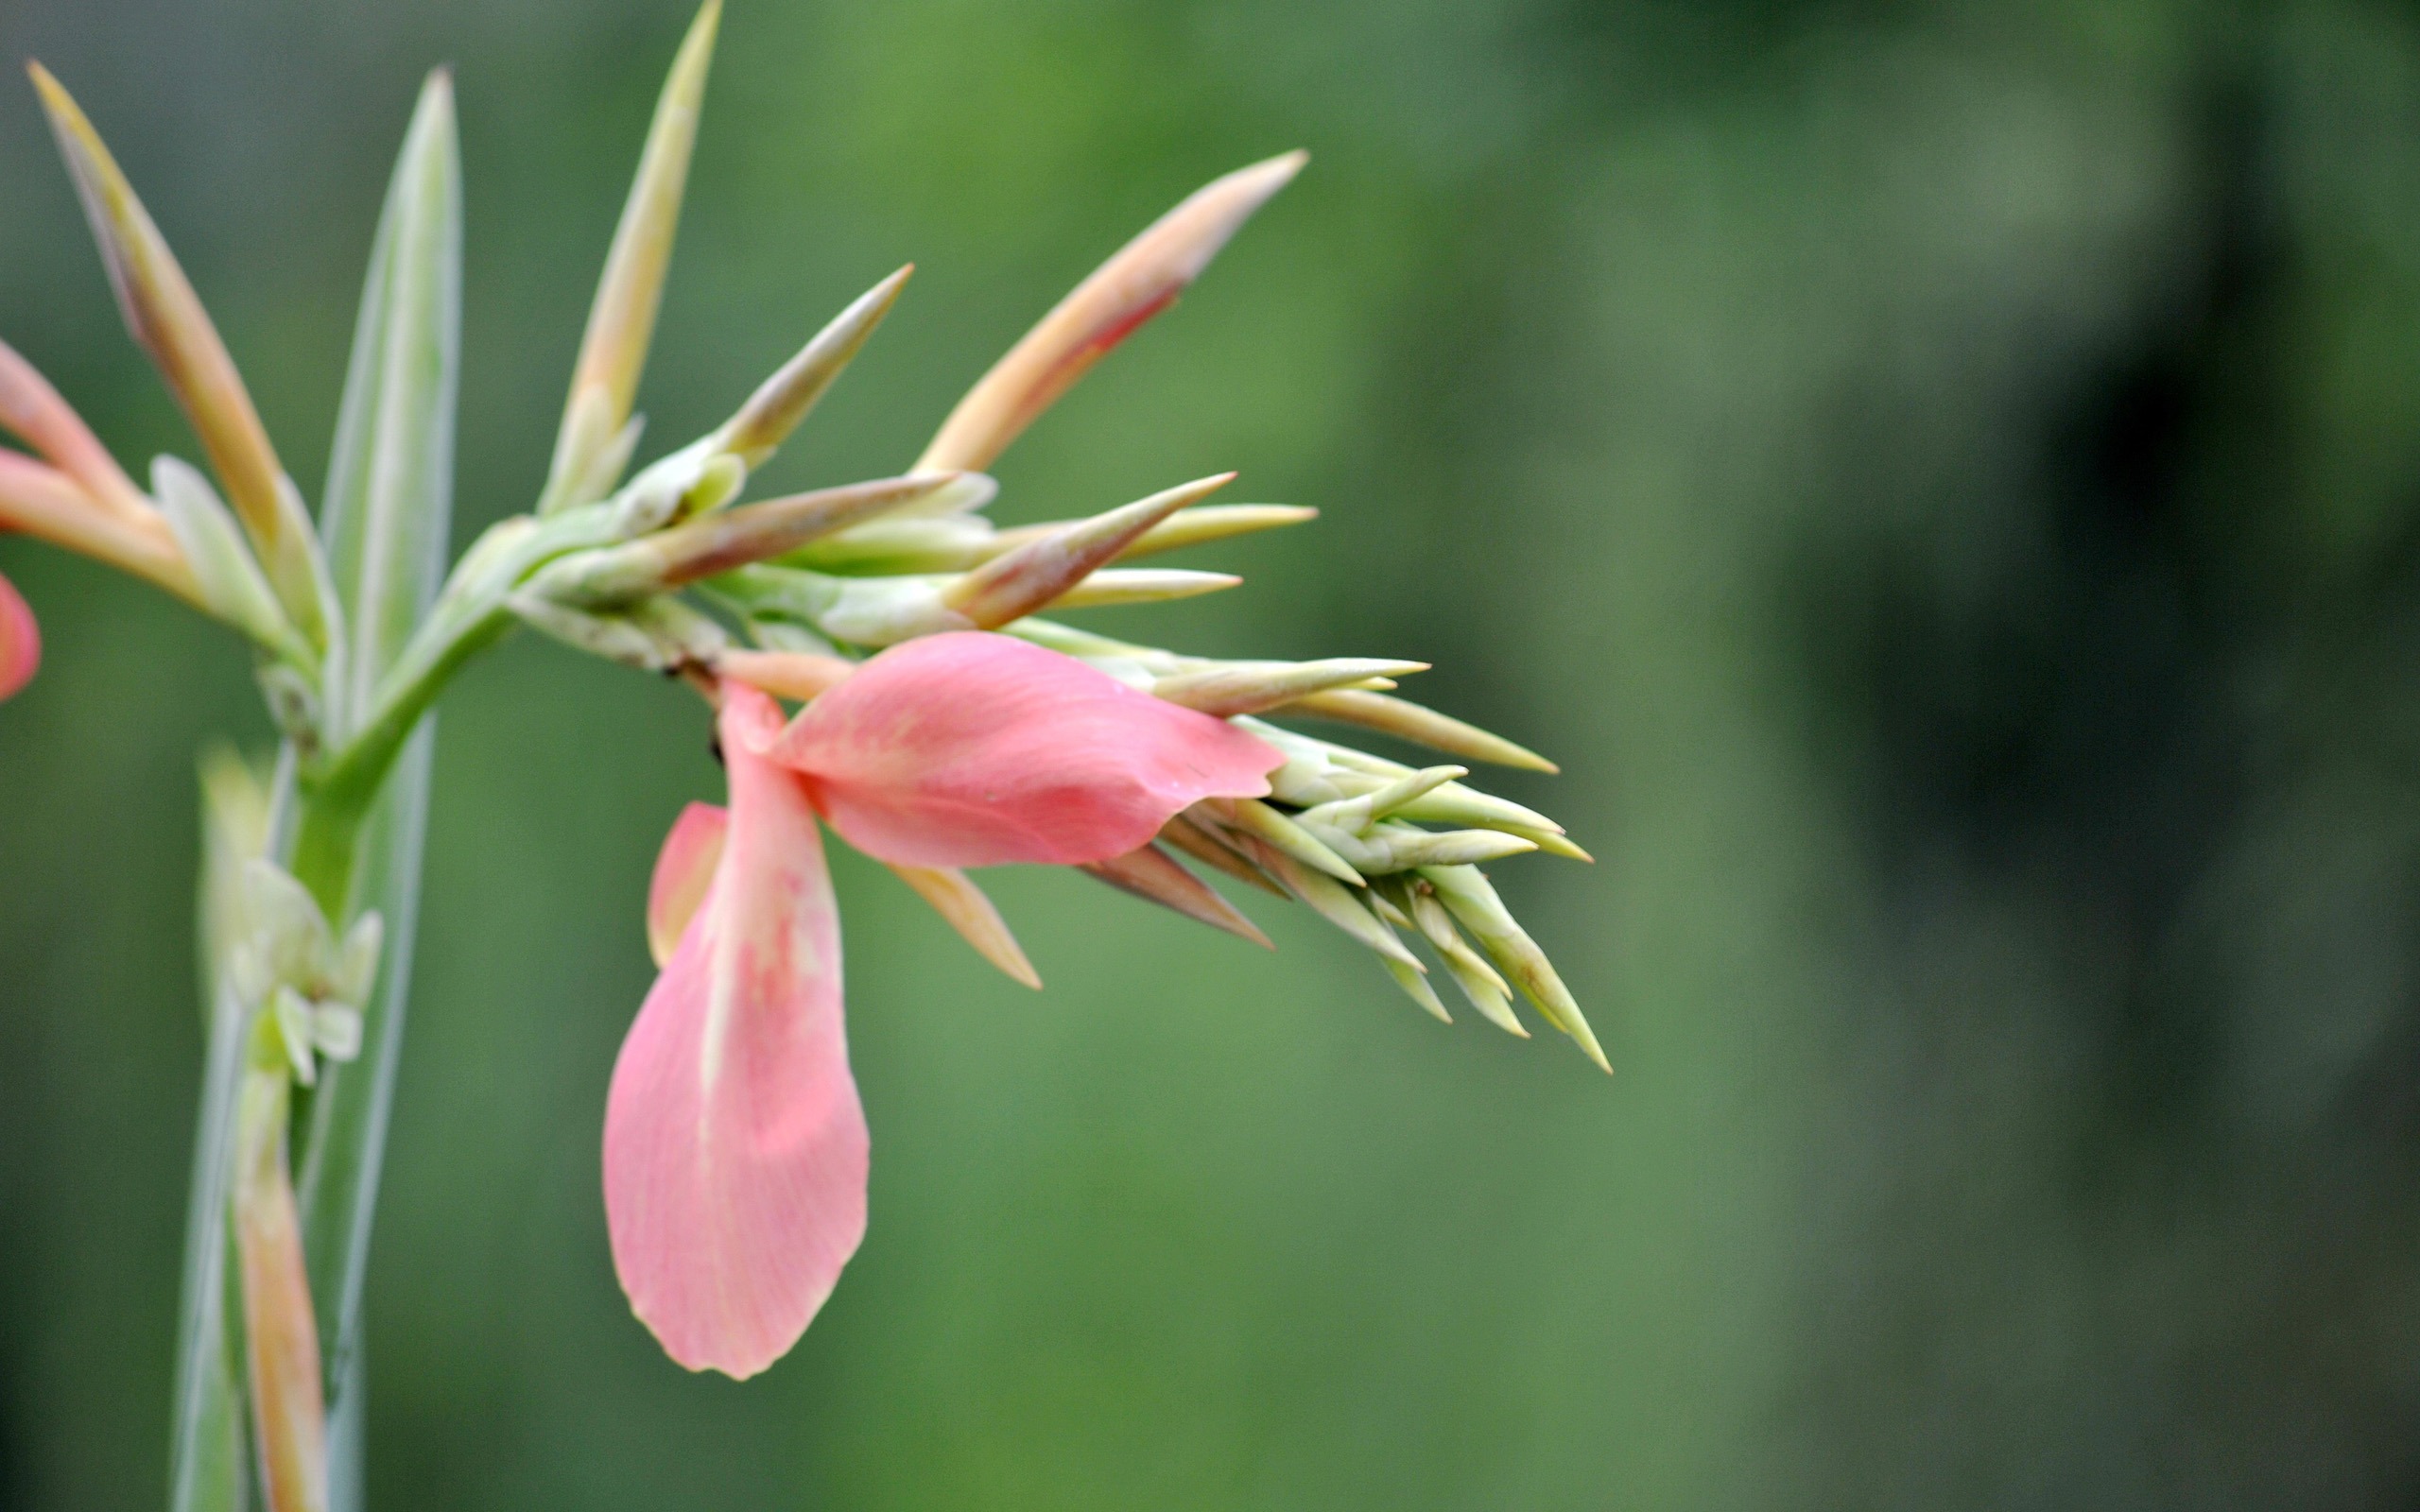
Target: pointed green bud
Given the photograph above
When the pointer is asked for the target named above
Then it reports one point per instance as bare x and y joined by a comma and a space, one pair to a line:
853, 610
1230, 688
1552, 841
1355, 814
1331, 900
1415, 985
1036, 573
1251, 816
1187, 527
1479, 981
1473, 904
1410, 721
658, 635
621, 322
945, 543
1150, 874
717, 542
1215, 522
1114, 586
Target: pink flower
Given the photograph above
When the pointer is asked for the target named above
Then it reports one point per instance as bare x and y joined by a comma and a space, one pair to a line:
735, 1147
19, 641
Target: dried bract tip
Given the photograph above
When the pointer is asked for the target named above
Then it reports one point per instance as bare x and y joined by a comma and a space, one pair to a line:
1140, 279
621, 322
1151, 874
955, 897
166, 318
782, 401
1035, 574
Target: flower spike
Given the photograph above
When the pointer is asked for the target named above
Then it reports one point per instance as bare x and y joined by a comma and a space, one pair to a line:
1141, 280
1038, 572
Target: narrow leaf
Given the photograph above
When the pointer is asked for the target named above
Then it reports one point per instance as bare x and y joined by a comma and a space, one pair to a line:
390, 507
390, 494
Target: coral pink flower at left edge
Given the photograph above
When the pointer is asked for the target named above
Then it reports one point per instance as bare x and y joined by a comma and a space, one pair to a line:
19, 641
735, 1143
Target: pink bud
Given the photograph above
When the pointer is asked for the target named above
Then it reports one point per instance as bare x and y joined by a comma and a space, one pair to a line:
19, 641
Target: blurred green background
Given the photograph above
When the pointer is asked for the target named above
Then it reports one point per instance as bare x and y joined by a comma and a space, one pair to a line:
1944, 479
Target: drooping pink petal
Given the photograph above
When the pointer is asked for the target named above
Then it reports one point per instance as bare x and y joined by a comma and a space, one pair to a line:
19, 641
970, 749
683, 870
735, 1143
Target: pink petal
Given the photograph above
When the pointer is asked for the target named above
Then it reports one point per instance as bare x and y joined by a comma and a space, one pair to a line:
970, 749
19, 641
684, 868
735, 1144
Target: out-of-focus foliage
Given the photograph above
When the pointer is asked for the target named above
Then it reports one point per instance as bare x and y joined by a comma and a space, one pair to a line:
1944, 479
